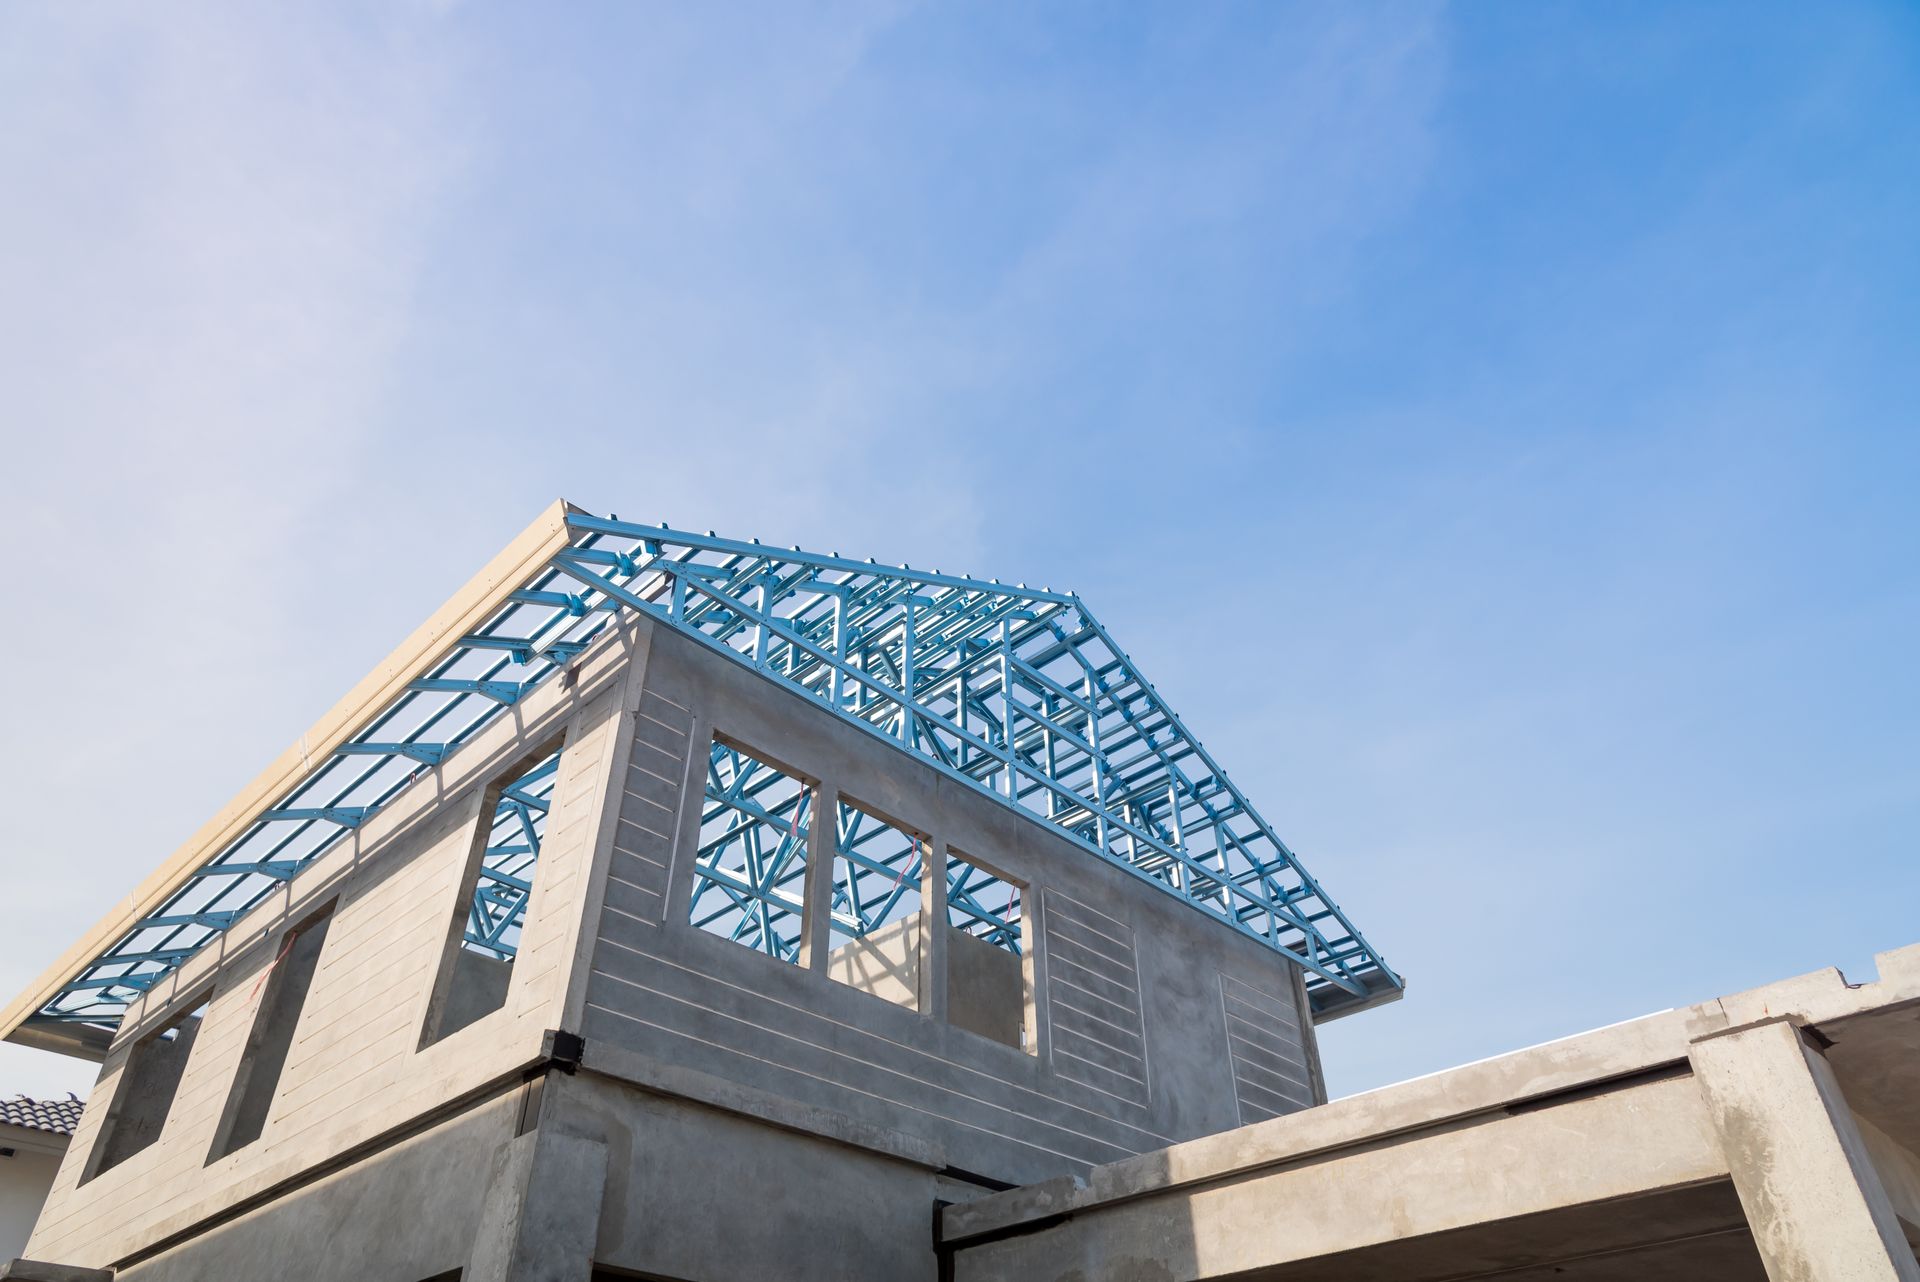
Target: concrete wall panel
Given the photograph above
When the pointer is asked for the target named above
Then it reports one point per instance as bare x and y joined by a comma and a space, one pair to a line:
354, 1070
1133, 1049
404, 1214
697, 1194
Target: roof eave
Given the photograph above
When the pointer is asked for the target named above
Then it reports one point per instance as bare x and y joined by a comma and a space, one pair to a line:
1330, 1003
471, 606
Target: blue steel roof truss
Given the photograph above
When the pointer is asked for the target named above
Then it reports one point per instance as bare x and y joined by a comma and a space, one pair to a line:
749, 878
1018, 692
504, 882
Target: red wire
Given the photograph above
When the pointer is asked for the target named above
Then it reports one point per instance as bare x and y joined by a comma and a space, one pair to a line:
255, 992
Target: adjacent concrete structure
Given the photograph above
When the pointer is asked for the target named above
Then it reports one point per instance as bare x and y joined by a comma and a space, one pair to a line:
1771, 1134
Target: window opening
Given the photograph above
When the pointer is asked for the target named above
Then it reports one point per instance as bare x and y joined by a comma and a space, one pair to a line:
144, 1094
484, 938
983, 905
875, 936
278, 995
988, 984
750, 873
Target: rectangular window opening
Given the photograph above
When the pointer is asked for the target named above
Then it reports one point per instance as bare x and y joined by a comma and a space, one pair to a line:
989, 984
484, 936
278, 994
750, 872
876, 931
144, 1093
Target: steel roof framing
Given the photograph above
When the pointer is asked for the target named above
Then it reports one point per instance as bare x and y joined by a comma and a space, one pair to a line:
1018, 692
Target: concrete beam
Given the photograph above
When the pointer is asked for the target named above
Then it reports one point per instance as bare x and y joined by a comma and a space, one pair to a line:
1813, 1198
1621, 1144
660, 1077
1522, 1078
41, 1271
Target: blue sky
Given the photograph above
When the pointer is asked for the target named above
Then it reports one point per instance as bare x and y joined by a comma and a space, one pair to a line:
1493, 427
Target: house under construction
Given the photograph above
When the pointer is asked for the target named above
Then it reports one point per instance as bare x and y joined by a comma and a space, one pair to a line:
680, 908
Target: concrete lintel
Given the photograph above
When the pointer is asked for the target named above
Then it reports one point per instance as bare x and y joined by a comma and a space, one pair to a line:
1808, 1184
1019, 1208
41, 1271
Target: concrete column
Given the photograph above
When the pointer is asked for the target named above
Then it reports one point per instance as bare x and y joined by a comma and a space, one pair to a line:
541, 1217
933, 929
823, 840
1815, 1204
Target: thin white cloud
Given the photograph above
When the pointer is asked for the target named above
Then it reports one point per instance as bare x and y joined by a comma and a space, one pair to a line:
294, 293
206, 264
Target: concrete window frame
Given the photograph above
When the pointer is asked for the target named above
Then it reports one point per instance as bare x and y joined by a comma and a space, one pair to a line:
1025, 945
147, 1084
279, 997
891, 956
467, 986
755, 854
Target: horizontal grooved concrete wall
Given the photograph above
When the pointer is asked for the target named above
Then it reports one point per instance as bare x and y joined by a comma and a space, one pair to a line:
406, 1213
354, 1071
1134, 1049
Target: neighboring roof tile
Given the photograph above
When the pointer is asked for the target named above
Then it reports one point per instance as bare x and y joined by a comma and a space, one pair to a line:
57, 1116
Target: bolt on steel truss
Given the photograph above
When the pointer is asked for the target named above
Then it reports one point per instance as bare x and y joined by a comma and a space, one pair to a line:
1019, 692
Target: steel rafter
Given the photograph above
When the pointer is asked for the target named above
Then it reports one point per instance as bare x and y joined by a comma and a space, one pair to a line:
1019, 692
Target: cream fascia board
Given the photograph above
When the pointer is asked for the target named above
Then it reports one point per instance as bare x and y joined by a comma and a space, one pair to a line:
469, 608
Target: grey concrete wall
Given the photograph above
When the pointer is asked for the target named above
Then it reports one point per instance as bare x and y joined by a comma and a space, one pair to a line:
1131, 1043
708, 1196
355, 1070
1132, 1048
885, 963
984, 986
408, 1212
